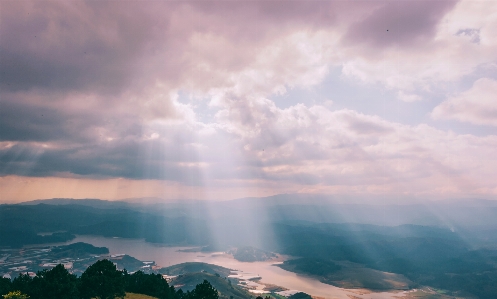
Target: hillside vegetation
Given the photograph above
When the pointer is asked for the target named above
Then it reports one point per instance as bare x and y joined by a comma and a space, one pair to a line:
193, 267
251, 254
138, 296
102, 280
225, 287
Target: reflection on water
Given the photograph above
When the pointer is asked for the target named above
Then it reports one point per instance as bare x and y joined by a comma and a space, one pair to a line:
168, 256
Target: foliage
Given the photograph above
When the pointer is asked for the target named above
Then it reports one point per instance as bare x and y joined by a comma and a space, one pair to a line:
190, 281
149, 284
251, 254
22, 283
4, 285
203, 290
55, 283
195, 267
300, 295
15, 295
103, 281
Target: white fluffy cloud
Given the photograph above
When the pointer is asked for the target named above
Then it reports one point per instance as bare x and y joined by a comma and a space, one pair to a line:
313, 148
463, 40
478, 105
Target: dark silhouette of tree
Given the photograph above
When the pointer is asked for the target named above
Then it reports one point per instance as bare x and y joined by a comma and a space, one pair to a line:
22, 283
102, 280
203, 290
54, 283
300, 295
180, 294
149, 284
5, 286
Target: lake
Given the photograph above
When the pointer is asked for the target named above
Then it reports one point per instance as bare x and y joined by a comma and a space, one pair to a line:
167, 256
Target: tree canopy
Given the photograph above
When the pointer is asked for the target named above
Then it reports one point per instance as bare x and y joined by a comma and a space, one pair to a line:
203, 290
15, 295
102, 280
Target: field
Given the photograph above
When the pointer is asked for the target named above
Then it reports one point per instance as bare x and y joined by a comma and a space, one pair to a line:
137, 296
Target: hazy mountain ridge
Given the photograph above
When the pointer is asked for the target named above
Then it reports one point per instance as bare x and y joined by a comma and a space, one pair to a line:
319, 208
30, 220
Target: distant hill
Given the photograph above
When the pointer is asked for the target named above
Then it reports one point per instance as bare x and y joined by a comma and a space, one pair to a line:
226, 289
321, 208
300, 295
21, 224
347, 275
251, 254
89, 202
194, 267
77, 249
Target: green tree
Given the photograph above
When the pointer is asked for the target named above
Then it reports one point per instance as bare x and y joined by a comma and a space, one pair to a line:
300, 295
55, 283
5, 284
149, 284
15, 295
102, 280
203, 290
22, 283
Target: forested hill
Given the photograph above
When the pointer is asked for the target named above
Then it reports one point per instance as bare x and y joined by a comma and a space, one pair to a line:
428, 256
21, 224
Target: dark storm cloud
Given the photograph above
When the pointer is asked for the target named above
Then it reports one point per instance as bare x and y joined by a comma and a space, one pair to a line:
26, 122
81, 45
118, 159
21, 122
399, 23
104, 47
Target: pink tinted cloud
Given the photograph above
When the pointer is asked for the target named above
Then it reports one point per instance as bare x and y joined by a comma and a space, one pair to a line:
400, 23
478, 105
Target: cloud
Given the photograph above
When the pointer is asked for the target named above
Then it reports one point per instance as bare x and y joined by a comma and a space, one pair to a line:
254, 144
345, 150
181, 92
435, 53
478, 105
401, 23
408, 97
76, 46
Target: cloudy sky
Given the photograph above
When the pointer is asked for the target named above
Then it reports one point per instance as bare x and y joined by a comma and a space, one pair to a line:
228, 99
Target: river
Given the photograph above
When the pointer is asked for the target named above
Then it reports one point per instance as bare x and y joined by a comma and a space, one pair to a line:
167, 256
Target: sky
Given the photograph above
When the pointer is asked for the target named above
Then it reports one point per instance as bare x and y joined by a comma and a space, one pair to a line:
228, 99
